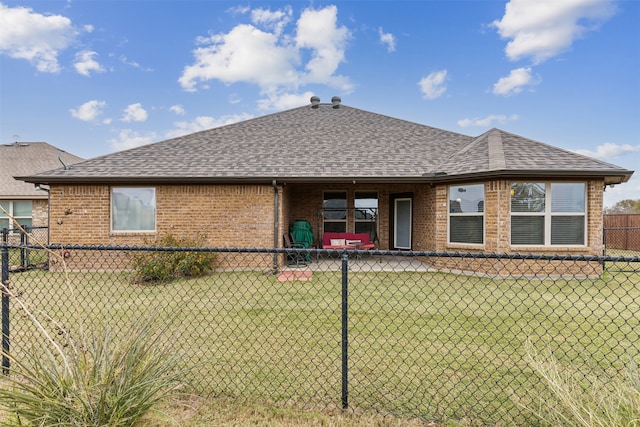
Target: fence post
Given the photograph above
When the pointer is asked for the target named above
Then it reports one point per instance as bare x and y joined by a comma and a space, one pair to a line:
5, 311
345, 331
23, 238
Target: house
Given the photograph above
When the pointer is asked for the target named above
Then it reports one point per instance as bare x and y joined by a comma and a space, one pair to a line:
27, 203
411, 186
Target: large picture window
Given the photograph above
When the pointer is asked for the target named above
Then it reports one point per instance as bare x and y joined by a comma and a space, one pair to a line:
133, 209
548, 213
466, 214
21, 210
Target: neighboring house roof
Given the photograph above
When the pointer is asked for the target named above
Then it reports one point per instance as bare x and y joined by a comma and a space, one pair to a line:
26, 158
326, 143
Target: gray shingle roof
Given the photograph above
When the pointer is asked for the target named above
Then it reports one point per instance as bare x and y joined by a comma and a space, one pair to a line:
325, 144
25, 158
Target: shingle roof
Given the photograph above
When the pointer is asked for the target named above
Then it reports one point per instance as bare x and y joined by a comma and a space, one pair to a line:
325, 144
25, 158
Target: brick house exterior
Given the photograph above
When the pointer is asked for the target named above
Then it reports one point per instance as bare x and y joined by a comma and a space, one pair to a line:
245, 184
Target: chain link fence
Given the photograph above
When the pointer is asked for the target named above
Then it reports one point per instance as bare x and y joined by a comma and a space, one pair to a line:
30, 257
437, 336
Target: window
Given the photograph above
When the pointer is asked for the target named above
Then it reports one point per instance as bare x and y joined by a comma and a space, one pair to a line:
133, 209
19, 209
334, 211
466, 214
548, 213
366, 212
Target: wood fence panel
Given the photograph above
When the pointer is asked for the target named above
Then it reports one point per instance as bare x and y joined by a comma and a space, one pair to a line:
622, 231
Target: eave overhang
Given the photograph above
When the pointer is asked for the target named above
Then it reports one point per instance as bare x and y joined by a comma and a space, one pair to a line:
613, 176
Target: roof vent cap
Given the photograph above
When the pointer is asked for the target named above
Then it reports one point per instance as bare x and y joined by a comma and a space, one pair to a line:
336, 102
315, 101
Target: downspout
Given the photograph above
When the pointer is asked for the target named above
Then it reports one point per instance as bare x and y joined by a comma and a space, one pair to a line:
276, 231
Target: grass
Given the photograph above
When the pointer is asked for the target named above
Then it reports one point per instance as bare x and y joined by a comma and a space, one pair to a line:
438, 346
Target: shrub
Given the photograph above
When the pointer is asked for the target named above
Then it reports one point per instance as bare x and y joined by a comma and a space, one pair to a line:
165, 266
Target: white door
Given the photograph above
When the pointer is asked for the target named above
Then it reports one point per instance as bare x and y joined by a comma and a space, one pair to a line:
402, 223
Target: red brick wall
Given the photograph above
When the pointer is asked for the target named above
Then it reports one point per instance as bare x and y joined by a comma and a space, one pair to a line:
229, 216
243, 216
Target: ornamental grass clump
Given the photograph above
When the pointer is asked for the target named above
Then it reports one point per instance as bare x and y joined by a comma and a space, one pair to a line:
164, 266
578, 398
110, 382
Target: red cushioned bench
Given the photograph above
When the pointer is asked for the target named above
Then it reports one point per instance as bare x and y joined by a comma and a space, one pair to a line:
333, 240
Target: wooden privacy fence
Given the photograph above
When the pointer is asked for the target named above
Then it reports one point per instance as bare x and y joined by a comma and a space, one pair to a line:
622, 231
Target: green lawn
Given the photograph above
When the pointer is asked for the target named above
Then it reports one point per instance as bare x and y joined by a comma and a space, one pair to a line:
441, 346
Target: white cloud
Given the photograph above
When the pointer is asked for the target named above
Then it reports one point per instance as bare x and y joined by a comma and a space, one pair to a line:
128, 138
387, 39
245, 54
134, 113
284, 101
85, 63
273, 20
433, 86
204, 123
514, 82
261, 54
178, 109
487, 121
318, 30
542, 29
610, 150
35, 37
89, 111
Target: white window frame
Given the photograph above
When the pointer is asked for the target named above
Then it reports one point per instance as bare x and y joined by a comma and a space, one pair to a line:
155, 211
548, 214
467, 214
11, 211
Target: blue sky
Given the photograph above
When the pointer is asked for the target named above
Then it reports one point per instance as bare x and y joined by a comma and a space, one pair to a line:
94, 77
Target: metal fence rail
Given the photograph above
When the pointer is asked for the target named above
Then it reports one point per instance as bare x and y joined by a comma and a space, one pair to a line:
432, 335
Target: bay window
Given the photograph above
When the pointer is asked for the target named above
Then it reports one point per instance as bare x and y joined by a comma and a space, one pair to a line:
466, 214
548, 213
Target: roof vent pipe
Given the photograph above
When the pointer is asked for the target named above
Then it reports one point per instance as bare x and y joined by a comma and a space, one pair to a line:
336, 102
315, 101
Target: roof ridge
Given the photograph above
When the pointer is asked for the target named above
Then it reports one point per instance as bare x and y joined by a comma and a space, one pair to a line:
466, 147
564, 150
497, 160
